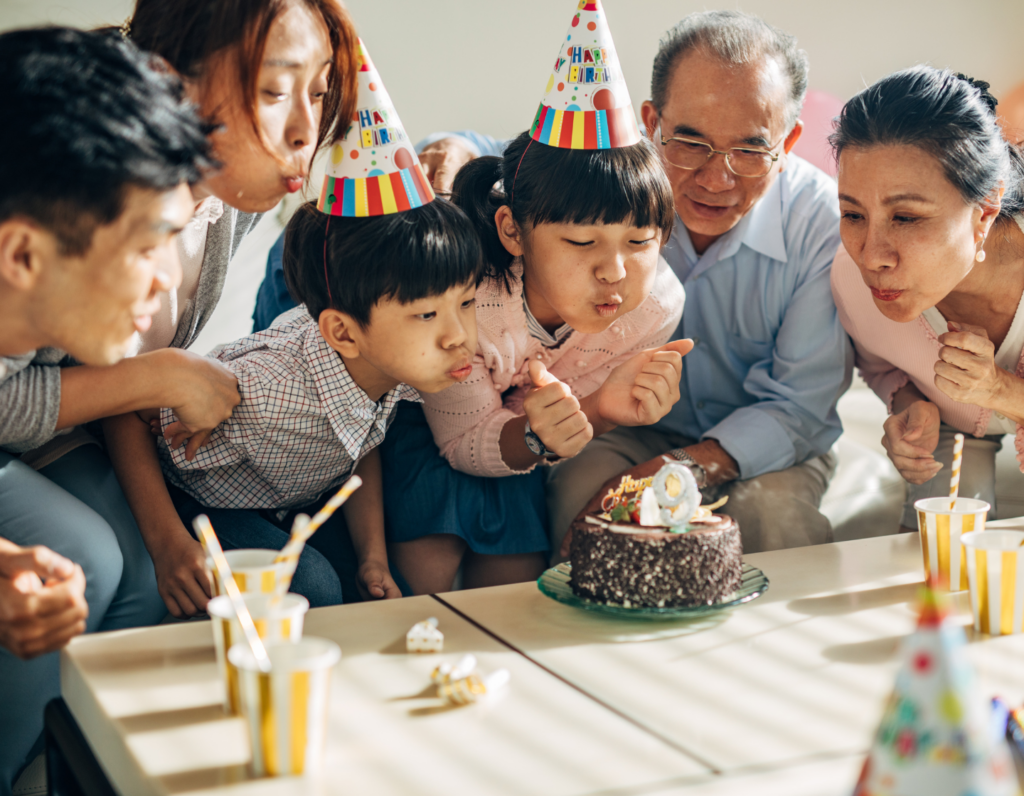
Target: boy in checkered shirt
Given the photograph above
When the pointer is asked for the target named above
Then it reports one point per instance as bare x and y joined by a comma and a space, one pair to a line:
387, 308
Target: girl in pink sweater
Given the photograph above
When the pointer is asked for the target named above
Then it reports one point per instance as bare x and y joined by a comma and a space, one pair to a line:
573, 318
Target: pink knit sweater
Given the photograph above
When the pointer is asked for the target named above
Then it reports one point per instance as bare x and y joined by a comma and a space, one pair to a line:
889, 354
467, 419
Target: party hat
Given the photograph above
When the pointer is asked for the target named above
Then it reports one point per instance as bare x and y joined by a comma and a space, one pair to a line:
586, 103
374, 171
935, 737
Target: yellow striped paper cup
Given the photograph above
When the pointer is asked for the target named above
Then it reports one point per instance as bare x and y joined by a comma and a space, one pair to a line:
280, 622
286, 709
941, 528
995, 570
254, 571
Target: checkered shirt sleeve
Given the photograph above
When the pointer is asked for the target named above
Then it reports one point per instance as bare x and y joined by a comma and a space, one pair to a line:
300, 430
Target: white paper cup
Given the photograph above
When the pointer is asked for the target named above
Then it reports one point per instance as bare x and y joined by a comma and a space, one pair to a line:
274, 623
995, 571
941, 529
286, 710
254, 571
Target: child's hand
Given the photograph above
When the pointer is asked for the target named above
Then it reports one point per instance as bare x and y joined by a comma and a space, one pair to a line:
555, 415
643, 389
375, 582
181, 576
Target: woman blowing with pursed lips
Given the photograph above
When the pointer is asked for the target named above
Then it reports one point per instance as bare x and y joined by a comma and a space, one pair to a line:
930, 276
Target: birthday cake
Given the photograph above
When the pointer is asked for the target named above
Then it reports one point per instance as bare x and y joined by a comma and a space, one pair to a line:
654, 545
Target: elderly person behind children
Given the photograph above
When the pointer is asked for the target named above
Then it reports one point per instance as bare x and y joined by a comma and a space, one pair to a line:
930, 278
753, 249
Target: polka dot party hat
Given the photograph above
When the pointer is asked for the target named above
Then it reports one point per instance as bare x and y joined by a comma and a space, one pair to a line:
937, 737
374, 171
586, 103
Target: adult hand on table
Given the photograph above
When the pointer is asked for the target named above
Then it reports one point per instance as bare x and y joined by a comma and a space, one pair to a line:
181, 576
554, 414
42, 600
910, 440
644, 388
442, 160
208, 395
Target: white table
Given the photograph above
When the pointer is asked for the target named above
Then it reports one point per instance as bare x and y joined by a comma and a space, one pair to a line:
798, 676
148, 701
780, 696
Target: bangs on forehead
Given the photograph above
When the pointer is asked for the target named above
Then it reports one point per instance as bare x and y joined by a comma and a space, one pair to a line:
610, 186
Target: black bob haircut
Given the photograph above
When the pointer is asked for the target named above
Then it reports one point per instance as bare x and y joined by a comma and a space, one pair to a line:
556, 186
89, 115
405, 256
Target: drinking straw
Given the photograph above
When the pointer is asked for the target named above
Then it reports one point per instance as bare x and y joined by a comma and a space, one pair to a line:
954, 481
213, 549
302, 528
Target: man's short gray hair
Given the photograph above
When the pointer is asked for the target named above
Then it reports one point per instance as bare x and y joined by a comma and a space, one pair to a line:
735, 38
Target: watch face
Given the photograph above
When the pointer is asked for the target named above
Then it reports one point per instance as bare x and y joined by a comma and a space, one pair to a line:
534, 444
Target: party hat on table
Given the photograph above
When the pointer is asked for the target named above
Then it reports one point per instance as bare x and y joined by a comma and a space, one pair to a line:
935, 738
374, 170
586, 103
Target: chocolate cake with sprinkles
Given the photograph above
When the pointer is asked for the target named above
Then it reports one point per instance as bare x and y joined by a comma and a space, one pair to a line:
657, 549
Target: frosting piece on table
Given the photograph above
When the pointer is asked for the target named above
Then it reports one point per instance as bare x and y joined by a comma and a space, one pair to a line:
474, 688
424, 637
447, 673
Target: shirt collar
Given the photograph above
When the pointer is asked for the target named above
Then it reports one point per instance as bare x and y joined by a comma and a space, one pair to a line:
348, 408
538, 332
761, 230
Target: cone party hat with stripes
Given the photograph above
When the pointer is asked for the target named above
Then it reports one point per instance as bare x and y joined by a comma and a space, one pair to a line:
374, 171
937, 735
586, 103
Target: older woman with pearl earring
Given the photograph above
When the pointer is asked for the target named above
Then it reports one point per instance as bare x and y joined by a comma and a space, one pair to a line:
930, 277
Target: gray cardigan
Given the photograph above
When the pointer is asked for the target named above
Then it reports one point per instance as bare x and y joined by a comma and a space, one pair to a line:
30, 384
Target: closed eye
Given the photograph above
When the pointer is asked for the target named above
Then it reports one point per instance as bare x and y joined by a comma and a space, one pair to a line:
642, 242
581, 244
275, 95
905, 219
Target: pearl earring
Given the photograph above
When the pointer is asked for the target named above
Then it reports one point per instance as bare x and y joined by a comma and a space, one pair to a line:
980, 256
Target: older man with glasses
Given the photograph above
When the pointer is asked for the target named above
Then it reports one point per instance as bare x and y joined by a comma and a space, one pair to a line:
756, 232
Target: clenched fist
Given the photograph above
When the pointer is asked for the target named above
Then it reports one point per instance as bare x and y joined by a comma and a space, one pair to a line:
555, 415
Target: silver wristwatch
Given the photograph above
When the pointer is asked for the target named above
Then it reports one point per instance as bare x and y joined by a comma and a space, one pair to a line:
535, 443
680, 455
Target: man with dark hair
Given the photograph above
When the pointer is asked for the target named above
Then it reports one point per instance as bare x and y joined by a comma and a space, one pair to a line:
758, 228
96, 157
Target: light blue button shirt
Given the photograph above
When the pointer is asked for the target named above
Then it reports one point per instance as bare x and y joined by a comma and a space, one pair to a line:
770, 358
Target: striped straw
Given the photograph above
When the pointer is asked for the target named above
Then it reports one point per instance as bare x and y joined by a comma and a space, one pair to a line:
302, 528
954, 481
213, 549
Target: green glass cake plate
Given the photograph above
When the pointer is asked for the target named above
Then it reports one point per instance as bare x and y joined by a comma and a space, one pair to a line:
554, 583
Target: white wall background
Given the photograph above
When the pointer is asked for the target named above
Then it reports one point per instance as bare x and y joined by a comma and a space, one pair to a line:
483, 63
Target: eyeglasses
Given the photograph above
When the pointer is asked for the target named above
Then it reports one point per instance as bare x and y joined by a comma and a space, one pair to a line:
685, 153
